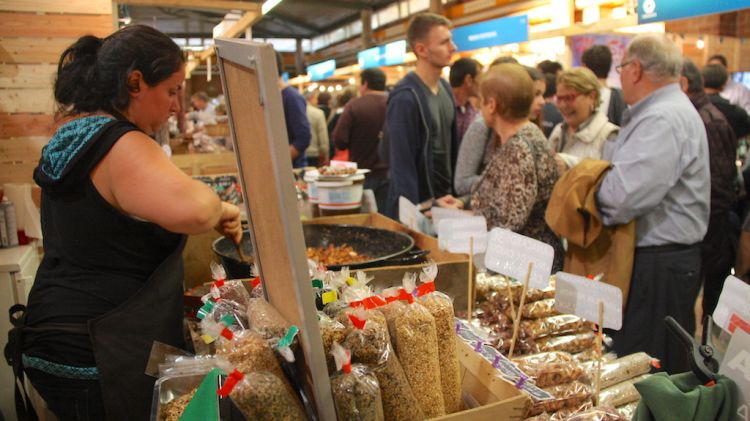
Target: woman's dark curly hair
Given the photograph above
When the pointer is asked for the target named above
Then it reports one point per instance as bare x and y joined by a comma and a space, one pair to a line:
93, 72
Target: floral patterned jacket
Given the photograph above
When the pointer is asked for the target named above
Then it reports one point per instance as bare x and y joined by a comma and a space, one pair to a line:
516, 185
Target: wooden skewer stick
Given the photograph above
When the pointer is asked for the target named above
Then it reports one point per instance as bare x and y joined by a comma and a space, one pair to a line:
598, 380
517, 321
510, 298
470, 282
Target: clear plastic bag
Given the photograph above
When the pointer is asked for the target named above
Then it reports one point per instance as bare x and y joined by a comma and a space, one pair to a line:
369, 345
553, 326
264, 319
414, 336
597, 414
330, 331
568, 343
172, 410
356, 391
624, 368
550, 368
621, 393
627, 411
440, 307
571, 394
590, 355
537, 310
263, 396
249, 352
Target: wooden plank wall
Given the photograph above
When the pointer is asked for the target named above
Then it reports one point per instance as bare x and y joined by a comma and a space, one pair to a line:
33, 34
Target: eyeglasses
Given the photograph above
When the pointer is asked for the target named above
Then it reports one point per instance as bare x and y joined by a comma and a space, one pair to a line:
619, 67
567, 98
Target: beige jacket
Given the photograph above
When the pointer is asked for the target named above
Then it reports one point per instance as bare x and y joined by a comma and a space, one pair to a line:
319, 131
587, 142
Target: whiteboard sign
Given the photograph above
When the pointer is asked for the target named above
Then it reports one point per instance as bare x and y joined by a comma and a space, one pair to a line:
581, 296
409, 215
736, 366
734, 299
509, 253
455, 234
439, 214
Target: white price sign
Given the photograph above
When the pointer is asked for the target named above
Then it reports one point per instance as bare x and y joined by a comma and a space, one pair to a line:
736, 366
734, 299
455, 234
581, 296
509, 253
439, 214
409, 215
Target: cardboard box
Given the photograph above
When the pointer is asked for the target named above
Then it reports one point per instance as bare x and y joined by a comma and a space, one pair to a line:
499, 400
453, 269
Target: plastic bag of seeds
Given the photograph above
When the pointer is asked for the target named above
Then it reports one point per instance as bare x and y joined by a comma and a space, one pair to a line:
537, 310
249, 352
550, 368
566, 395
356, 391
414, 336
554, 326
440, 307
625, 368
263, 396
330, 331
597, 414
568, 343
257, 290
627, 411
369, 344
264, 319
227, 290
621, 393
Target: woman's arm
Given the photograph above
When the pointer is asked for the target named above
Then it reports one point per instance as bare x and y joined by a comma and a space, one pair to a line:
137, 178
470, 155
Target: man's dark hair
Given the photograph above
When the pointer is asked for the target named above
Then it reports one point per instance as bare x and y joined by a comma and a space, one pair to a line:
720, 58
715, 76
374, 77
551, 88
421, 24
92, 74
503, 60
461, 68
324, 98
548, 66
598, 59
693, 75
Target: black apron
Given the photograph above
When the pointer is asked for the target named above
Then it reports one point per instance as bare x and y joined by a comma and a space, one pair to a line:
122, 339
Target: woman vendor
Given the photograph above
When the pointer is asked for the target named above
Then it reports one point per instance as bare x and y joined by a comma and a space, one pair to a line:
115, 214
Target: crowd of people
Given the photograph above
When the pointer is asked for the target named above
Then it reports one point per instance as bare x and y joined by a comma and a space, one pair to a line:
496, 142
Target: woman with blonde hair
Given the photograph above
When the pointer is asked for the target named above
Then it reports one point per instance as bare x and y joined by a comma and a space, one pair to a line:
584, 130
514, 189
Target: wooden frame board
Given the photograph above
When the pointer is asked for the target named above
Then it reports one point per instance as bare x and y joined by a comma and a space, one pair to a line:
250, 80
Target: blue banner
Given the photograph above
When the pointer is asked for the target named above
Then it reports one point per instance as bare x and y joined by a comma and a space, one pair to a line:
663, 10
322, 70
384, 55
491, 33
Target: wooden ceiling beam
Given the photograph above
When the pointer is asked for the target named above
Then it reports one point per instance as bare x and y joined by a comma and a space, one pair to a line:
197, 4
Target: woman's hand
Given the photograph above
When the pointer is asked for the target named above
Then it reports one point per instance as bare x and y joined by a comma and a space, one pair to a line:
230, 225
449, 202
562, 167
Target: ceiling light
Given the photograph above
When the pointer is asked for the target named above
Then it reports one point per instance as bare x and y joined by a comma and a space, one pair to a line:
268, 5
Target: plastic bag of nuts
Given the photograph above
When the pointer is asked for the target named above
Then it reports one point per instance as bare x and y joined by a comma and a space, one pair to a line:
553, 326
625, 368
262, 396
537, 310
369, 344
440, 307
550, 368
356, 391
621, 393
569, 343
414, 336
264, 319
330, 331
566, 395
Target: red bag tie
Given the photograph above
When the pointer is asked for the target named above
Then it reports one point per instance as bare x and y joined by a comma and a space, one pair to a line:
234, 378
357, 322
425, 289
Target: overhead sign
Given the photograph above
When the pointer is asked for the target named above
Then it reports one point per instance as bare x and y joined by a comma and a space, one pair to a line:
322, 70
491, 33
509, 254
581, 296
389, 54
663, 10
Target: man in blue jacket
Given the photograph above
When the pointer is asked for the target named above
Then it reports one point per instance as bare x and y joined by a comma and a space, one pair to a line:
420, 123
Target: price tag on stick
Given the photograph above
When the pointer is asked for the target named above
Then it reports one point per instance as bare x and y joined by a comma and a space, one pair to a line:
581, 296
455, 234
509, 253
734, 299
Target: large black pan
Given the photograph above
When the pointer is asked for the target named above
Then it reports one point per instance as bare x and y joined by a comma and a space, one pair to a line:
382, 246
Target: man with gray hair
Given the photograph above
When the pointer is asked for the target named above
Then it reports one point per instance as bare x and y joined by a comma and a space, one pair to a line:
659, 177
718, 248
